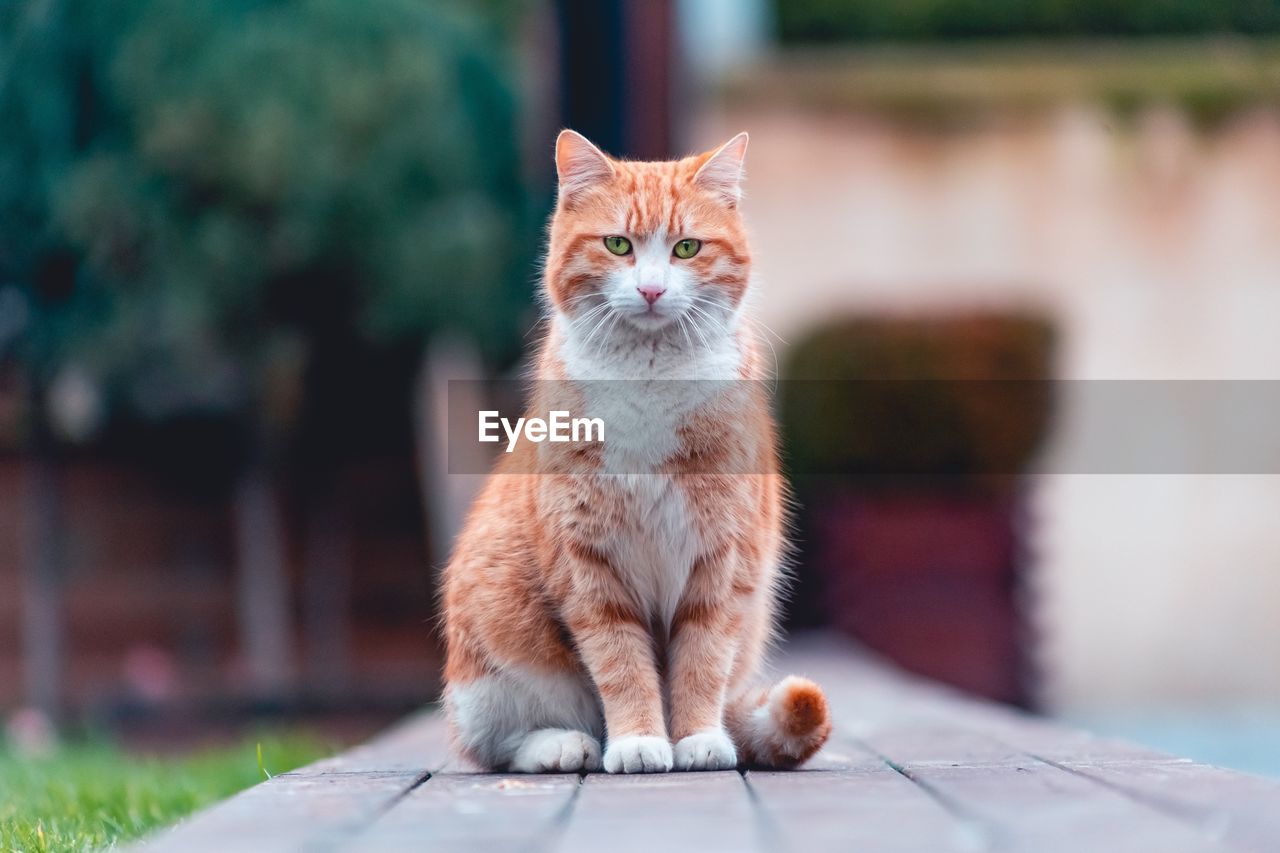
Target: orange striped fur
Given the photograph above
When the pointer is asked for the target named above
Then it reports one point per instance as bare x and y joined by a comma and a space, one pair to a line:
624, 593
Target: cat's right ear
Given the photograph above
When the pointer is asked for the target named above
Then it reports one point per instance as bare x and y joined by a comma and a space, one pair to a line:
579, 164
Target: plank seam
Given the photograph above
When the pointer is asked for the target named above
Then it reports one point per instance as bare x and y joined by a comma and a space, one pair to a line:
559, 821
341, 835
768, 833
1209, 822
979, 830
390, 804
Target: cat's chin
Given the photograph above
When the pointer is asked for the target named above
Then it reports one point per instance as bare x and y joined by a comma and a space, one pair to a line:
651, 322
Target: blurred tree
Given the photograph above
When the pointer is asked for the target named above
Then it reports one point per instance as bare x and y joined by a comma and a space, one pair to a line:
195, 194
41, 308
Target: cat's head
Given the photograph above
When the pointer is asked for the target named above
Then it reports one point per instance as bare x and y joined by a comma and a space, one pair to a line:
648, 247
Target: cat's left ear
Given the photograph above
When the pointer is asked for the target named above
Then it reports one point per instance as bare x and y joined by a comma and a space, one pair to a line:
721, 170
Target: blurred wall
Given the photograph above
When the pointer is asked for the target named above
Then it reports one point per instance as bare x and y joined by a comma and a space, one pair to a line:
1157, 248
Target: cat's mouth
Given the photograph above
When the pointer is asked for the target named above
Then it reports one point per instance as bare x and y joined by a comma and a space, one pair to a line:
651, 318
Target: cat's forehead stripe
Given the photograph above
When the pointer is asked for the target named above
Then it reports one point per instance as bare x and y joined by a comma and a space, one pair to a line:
653, 198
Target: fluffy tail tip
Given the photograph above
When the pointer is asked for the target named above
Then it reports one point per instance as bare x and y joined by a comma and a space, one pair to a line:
787, 725
799, 708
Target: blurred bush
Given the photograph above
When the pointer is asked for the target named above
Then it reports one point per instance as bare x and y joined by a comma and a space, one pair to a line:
906, 438
195, 193
907, 20
911, 402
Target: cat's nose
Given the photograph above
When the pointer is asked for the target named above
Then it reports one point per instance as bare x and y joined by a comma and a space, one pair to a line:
651, 292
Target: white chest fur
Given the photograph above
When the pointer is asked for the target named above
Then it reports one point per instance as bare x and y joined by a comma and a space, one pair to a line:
656, 549
645, 390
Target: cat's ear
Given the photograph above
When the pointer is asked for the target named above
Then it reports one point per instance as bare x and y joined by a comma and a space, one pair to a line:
579, 164
721, 170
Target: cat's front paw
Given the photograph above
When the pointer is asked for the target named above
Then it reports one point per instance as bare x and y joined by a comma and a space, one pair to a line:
638, 754
557, 751
708, 750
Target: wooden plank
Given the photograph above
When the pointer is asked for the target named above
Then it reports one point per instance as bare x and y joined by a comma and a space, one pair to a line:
1240, 809
289, 813
970, 754
707, 812
473, 811
318, 806
1034, 808
1030, 805
848, 799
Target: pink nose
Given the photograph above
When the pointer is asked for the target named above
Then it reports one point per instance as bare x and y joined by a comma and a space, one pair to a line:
651, 292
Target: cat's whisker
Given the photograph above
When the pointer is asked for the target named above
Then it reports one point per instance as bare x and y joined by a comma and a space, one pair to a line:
693, 350
591, 312
605, 323
606, 316
699, 299
697, 328
586, 315
777, 370
762, 324
589, 316
584, 297
694, 306
614, 320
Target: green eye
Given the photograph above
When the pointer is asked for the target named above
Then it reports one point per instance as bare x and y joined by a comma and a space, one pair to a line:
686, 249
618, 245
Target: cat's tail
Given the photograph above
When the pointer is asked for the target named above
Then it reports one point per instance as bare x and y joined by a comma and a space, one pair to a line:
782, 727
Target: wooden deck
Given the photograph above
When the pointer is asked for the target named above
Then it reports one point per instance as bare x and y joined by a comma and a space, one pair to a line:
911, 766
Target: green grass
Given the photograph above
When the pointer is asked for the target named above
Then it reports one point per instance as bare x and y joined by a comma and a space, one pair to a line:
944, 84
91, 796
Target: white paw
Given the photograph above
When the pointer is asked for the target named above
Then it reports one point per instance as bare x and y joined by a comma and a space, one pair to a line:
638, 754
557, 751
709, 750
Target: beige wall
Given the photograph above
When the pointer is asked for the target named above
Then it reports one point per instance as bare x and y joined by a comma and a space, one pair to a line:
1158, 249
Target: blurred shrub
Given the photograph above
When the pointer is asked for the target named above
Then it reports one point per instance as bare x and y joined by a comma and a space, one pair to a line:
876, 20
910, 402
194, 192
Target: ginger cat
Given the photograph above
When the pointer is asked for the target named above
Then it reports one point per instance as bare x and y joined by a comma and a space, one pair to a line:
625, 592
